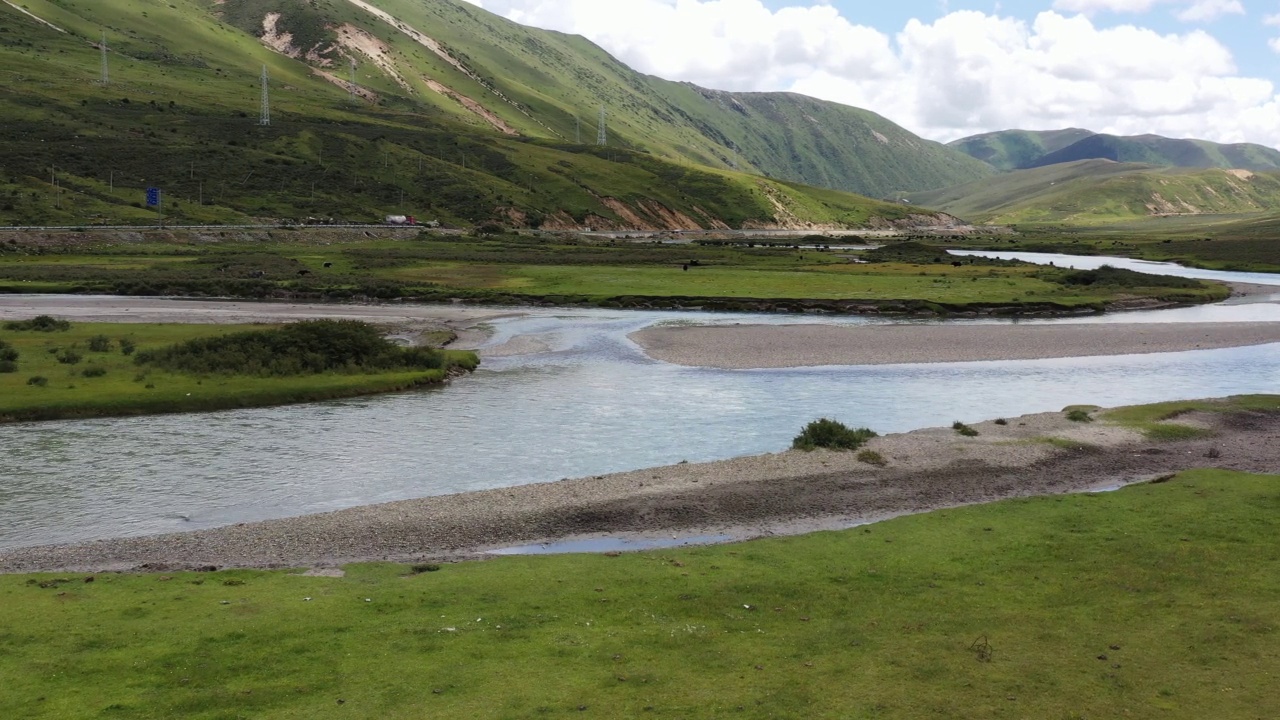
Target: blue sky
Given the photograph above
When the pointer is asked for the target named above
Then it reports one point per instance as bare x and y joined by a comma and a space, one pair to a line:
946, 69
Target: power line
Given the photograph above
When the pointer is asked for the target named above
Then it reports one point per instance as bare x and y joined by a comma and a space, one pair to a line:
264, 117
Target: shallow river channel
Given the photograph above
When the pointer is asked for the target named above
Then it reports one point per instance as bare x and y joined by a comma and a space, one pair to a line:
583, 400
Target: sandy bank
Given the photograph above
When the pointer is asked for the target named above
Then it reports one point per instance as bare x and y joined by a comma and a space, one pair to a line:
407, 319
743, 497
777, 346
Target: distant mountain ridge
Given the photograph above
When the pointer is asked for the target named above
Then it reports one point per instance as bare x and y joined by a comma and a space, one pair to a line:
1016, 149
1022, 149
1099, 191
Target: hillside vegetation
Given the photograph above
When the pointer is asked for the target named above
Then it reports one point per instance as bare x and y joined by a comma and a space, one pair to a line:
478, 120
1021, 149
1101, 191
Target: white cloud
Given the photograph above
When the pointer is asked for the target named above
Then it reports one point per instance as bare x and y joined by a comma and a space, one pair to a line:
1189, 10
964, 73
730, 44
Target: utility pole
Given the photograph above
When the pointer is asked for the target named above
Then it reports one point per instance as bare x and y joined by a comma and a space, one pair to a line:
602, 137
264, 117
103, 46
577, 137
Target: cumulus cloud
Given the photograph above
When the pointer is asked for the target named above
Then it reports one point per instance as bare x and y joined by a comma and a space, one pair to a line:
1273, 43
1185, 10
964, 73
730, 44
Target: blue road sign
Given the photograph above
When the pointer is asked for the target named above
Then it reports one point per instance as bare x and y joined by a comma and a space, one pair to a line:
153, 196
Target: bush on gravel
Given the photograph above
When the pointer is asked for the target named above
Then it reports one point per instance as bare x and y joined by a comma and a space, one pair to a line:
824, 433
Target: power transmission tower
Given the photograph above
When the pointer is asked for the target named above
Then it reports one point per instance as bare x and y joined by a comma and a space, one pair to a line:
602, 137
352, 85
264, 118
577, 136
103, 45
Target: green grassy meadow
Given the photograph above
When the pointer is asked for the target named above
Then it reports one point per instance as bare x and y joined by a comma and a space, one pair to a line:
559, 269
1156, 601
125, 388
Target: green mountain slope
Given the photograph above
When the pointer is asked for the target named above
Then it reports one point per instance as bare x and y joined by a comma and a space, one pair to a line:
1099, 191
550, 85
456, 126
1014, 149
1022, 149
1167, 152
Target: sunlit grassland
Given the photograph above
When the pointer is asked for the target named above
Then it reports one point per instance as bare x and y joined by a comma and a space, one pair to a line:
1155, 601
585, 270
125, 388
855, 282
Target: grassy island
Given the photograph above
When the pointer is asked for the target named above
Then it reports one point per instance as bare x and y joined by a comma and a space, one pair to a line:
803, 274
52, 369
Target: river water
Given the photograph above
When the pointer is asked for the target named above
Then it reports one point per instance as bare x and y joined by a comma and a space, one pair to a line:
584, 400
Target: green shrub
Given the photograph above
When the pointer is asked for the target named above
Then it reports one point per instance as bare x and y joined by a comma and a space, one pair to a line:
1118, 277
127, 346
871, 457
8, 353
309, 347
100, 343
93, 372
38, 381
8, 366
69, 357
1079, 415
963, 429
824, 433
1002, 421
40, 323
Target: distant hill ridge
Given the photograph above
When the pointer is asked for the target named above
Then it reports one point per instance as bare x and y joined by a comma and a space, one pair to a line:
1100, 191
1023, 149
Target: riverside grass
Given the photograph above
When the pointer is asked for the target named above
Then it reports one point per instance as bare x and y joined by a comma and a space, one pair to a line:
563, 270
126, 388
1155, 601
